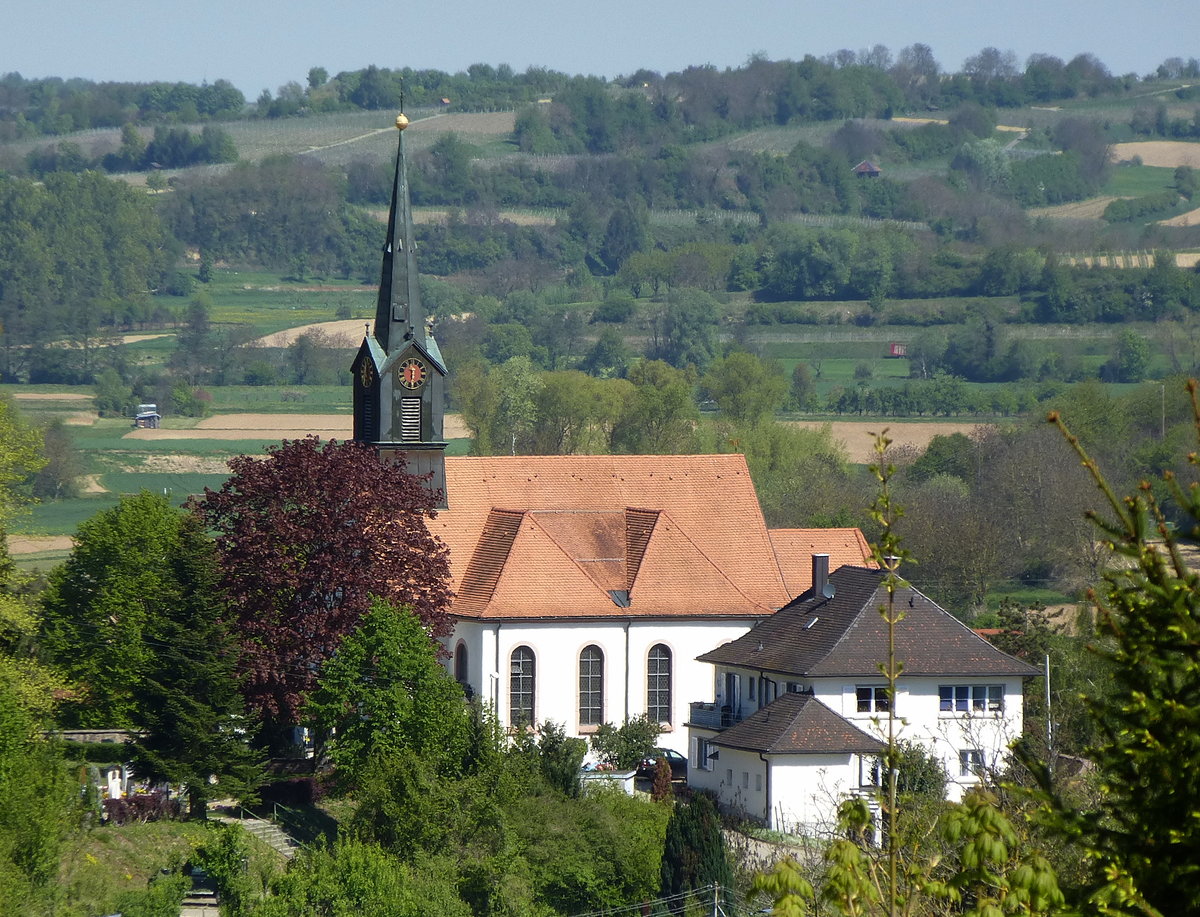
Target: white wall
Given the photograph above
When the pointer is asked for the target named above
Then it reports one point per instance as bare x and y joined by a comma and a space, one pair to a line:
625, 644
795, 793
944, 734
919, 719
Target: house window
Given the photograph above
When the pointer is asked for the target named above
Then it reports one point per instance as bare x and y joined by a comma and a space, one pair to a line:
872, 698
970, 762
971, 698
521, 682
758, 783
701, 750
729, 776
752, 688
591, 686
745, 780
658, 684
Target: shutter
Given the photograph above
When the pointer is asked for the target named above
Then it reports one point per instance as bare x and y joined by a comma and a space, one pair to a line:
849, 701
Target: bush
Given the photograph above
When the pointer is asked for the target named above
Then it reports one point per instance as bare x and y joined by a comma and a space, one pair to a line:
144, 807
625, 746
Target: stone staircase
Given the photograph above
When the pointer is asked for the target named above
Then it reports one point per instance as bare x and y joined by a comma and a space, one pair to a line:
201, 901
266, 831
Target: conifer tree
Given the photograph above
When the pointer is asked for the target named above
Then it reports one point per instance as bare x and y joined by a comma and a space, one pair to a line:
694, 850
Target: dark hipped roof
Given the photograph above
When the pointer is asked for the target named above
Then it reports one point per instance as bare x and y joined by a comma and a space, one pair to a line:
846, 636
797, 724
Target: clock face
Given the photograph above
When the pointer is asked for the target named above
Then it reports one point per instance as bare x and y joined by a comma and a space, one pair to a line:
412, 373
366, 373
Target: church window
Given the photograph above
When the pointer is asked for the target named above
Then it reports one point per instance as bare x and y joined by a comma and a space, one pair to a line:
520, 687
658, 684
591, 686
460, 663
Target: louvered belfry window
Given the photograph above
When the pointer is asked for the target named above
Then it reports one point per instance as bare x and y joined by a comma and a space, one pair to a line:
410, 420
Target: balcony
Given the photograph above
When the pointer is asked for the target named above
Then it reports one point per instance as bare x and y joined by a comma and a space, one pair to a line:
712, 716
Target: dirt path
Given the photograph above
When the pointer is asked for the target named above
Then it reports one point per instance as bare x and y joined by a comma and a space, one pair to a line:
1191, 218
49, 396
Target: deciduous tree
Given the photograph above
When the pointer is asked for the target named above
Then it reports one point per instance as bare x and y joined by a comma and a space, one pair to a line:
383, 691
306, 536
133, 566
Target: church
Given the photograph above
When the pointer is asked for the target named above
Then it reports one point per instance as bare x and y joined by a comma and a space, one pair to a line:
585, 586
590, 589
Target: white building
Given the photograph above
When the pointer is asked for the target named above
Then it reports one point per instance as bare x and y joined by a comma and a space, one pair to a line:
587, 586
788, 762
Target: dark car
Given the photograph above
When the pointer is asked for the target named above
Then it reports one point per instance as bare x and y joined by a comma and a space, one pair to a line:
677, 762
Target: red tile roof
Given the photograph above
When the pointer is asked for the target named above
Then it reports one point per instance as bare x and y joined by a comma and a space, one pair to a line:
616, 535
795, 548
798, 724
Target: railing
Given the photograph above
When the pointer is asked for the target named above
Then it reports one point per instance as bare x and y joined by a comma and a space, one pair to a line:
713, 716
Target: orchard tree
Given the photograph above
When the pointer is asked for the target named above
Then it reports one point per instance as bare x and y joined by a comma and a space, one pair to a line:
746, 390
306, 536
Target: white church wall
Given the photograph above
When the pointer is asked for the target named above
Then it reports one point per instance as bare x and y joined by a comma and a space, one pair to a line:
625, 645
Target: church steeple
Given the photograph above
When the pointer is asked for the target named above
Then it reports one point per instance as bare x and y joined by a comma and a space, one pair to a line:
398, 313
399, 376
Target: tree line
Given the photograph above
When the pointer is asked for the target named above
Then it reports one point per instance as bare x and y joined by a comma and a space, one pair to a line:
843, 84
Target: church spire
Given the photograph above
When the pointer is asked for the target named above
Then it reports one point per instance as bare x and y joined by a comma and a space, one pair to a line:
398, 314
399, 376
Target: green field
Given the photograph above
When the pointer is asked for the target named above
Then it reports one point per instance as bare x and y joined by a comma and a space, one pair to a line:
1135, 181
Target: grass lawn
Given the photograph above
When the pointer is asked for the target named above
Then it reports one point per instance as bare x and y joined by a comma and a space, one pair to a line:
100, 864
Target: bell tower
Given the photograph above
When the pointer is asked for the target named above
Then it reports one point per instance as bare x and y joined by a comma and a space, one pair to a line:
399, 375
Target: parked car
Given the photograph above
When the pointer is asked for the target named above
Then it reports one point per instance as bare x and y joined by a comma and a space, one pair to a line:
677, 761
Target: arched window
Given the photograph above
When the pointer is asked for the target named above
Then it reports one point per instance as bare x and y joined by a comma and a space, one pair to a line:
591, 686
460, 663
658, 684
520, 687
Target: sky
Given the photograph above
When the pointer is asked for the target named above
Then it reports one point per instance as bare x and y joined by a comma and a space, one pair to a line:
260, 45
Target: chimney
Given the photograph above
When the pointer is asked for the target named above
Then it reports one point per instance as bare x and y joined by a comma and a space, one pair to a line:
820, 573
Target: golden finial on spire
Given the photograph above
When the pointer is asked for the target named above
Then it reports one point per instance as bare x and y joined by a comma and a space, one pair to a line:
401, 121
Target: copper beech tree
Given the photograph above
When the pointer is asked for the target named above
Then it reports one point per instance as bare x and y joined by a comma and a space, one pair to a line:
306, 536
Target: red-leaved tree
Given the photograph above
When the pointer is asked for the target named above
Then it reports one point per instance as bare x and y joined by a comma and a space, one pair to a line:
305, 536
